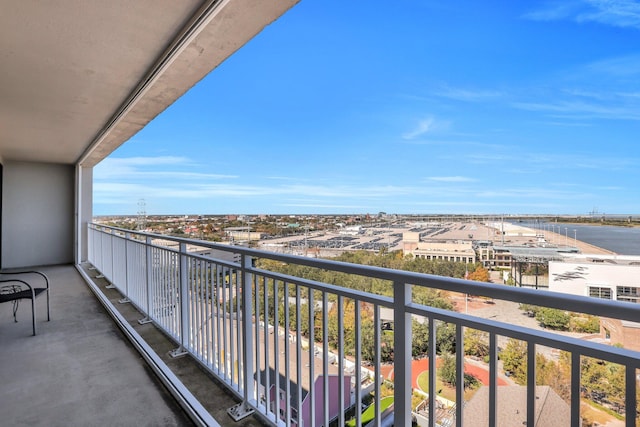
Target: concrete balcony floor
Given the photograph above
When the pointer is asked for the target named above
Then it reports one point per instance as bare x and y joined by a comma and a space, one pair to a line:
81, 370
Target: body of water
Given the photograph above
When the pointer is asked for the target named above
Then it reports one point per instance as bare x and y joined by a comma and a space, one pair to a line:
621, 240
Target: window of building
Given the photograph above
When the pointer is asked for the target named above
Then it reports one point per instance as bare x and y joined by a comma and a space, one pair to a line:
599, 292
628, 294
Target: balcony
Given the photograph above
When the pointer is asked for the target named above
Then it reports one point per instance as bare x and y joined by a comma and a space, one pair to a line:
79, 369
199, 294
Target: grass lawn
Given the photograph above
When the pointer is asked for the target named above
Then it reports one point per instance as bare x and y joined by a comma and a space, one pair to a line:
370, 413
444, 390
597, 413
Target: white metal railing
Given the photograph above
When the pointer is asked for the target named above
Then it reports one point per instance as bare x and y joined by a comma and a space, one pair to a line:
245, 325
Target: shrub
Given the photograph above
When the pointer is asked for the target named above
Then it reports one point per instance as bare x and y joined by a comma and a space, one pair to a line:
586, 324
553, 318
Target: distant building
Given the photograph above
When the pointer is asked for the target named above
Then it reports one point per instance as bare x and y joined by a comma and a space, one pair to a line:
485, 253
612, 277
501, 257
353, 230
458, 251
242, 233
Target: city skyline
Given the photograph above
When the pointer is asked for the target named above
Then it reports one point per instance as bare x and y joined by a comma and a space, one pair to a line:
416, 108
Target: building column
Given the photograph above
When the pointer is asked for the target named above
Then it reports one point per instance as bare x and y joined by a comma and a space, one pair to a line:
84, 211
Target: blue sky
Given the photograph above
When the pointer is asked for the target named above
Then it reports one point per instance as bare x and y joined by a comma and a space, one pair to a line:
404, 107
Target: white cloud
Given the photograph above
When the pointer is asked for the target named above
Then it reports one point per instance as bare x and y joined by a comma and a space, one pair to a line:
150, 168
468, 94
581, 110
425, 126
532, 193
617, 13
619, 66
451, 179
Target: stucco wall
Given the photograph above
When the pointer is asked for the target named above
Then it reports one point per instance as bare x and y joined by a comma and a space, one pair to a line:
575, 277
37, 214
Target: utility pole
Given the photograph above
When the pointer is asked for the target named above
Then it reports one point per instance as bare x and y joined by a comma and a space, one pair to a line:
142, 215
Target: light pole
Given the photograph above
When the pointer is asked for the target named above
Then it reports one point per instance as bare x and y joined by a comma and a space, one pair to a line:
546, 232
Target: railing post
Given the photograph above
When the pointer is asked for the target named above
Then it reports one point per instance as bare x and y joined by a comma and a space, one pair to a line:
401, 354
531, 383
243, 409
149, 269
101, 266
111, 277
126, 299
183, 278
459, 374
493, 381
630, 395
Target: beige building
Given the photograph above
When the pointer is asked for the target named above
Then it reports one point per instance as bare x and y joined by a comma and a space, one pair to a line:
457, 251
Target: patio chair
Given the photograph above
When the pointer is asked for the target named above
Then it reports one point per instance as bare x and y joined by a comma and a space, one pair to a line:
18, 288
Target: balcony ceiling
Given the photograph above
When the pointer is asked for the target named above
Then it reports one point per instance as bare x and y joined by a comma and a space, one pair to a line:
79, 78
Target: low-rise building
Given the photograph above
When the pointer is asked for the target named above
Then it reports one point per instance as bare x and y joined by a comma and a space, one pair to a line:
457, 251
613, 277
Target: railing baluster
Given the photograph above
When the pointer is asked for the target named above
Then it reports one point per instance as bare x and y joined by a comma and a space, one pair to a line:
209, 314
233, 278
402, 354
493, 380
575, 389
341, 391
287, 352
376, 363
358, 362
325, 357
244, 409
256, 368
240, 348
459, 374
126, 299
312, 356
219, 330
267, 320
147, 280
432, 372
299, 353
183, 299
531, 383
630, 397
276, 349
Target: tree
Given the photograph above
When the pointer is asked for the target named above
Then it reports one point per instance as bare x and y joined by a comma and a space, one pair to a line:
557, 375
514, 360
476, 343
448, 371
480, 274
420, 338
445, 338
